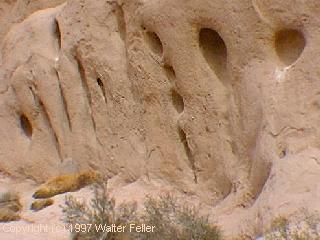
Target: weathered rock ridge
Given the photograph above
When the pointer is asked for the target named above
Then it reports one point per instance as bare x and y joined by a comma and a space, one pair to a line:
219, 100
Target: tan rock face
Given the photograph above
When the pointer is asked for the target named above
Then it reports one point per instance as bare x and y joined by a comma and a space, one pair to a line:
212, 98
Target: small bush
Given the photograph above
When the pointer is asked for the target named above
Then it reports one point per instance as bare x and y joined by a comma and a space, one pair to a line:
9, 206
41, 204
279, 229
100, 212
172, 221
66, 183
175, 221
306, 227
7, 215
8, 196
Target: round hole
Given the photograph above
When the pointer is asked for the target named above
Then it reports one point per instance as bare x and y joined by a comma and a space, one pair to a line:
289, 45
283, 153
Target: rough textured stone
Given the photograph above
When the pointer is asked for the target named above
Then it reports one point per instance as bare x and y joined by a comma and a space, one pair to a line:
218, 100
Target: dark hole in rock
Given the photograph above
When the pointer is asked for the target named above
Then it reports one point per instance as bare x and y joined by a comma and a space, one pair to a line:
289, 45
154, 42
283, 153
100, 83
170, 73
214, 51
58, 33
26, 125
177, 101
184, 141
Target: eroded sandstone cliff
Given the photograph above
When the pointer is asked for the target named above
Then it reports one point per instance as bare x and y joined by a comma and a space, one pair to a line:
218, 100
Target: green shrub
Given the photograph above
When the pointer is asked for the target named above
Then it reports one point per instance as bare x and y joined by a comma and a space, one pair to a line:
86, 221
171, 221
175, 221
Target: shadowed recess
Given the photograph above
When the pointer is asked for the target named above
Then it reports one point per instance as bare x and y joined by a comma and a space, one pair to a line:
177, 101
121, 21
154, 42
184, 141
170, 73
44, 110
99, 82
214, 51
26, 126
101, 85
58, 33
289, 45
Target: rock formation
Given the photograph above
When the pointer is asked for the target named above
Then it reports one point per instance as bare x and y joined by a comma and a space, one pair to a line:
218, 100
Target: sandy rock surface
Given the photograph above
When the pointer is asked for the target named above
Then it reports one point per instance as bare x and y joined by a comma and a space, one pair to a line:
218, 100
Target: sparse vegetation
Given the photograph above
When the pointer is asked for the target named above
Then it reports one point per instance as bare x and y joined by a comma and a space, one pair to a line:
41, 204
172, 221
176, 221
306, 227
9, 206
8, 196
66, 183
100, 212
7, 215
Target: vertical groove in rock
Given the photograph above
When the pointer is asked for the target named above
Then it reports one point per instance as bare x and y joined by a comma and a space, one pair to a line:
86, 89
184, 141
58, 33
43, 110
121, 22
170, 73
64, 102
51, 129
177, 101
26, 125
103, 90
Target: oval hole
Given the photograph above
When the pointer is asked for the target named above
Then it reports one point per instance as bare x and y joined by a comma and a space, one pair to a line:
170, 73
214, 50
177, 101
184, 141
26, 125
99, 82
289, 45
101, 85
154, 42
